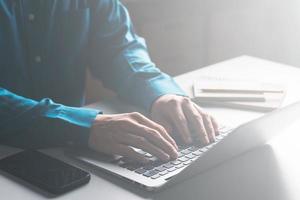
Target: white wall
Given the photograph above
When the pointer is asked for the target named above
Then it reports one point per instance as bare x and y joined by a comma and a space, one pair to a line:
264, 28
187, 34
173, 31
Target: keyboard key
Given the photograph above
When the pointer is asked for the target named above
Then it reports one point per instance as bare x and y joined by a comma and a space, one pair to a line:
171, 169
175, 162
163, 173
193, 148
157, 163
180, 154
226, 131
155, 176
153, 160
179, 166
148, 167
168, 165
181, 147
197, 153
187, 162
194, 159
183, 159
219, 137
186, 151
190, 156
122, 164
204, 149
161, 168
133, 166
140, 171
150, 173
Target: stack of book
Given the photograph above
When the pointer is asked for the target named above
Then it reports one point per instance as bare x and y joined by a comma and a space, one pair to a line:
238, 94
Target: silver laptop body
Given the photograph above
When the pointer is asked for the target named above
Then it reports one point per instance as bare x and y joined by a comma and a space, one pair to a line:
229, 144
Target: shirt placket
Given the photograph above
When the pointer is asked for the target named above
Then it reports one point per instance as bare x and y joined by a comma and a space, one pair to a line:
34, 46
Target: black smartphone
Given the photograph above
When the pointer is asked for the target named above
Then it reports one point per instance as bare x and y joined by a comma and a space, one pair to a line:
45, 172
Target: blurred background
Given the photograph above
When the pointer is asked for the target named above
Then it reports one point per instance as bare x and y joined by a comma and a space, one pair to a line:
183, 35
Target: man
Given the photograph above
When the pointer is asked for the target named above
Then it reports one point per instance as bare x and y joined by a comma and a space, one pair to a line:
46, 47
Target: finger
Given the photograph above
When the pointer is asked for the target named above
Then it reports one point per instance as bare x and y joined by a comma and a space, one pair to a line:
156, 139
179, 121
209, 128
153, 136
208, 125
130, 153
144, 144
147, 122
166, 125
215, 125
196, 121
213, 120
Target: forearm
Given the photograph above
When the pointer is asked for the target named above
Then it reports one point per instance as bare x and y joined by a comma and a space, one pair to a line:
144, 91
25, 122
119, 57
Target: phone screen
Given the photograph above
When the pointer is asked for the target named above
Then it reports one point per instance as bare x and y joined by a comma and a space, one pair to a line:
43, 171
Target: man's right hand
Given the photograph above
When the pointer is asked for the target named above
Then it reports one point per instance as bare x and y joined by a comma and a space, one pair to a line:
118, 133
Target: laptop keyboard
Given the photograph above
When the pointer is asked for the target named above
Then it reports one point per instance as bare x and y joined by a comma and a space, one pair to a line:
186, 155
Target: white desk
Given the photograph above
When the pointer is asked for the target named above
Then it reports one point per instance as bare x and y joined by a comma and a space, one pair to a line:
269, 173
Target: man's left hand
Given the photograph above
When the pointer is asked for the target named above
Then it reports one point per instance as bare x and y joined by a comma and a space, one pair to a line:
180, 114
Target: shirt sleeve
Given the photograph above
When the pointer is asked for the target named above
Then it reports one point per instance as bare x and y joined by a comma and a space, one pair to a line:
120, 59
32, 124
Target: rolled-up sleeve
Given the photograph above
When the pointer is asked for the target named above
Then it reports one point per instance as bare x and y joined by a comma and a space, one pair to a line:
28, 123
119, 57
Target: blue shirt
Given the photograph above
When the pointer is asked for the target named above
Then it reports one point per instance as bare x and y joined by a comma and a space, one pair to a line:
46, 48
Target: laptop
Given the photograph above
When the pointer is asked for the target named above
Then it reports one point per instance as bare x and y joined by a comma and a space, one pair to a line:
195, 159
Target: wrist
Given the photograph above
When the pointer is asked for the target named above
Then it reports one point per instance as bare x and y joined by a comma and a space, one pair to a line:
161, 100
99, 122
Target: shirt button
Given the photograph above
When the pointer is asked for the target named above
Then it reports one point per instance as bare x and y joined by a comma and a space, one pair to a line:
31, 17
37, 59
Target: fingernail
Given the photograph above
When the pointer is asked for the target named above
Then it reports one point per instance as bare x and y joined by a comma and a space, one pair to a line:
212, 139
167, 158
175, 155
207, 139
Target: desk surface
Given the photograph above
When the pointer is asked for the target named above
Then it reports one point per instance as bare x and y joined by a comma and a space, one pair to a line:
269, 173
